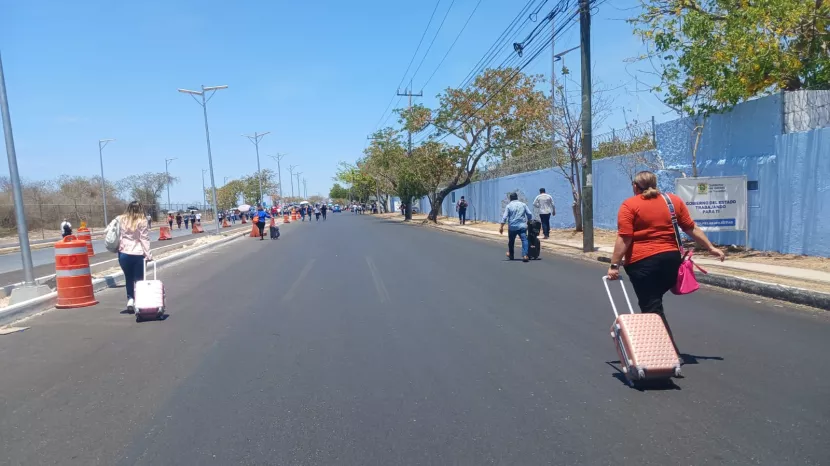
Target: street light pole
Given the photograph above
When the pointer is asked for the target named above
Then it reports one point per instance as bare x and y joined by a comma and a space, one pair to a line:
255, 141
279, 157
167, 164
101, 144
291, 177
203, 103
30, 289
305, 189
298, 184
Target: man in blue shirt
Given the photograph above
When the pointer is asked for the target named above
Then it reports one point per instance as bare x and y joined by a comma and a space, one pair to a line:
516, 215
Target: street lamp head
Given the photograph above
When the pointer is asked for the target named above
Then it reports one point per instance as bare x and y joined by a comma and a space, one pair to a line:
214, 88
186, 91
106, 140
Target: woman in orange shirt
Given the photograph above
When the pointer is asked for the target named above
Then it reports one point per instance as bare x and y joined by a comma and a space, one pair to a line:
646, 238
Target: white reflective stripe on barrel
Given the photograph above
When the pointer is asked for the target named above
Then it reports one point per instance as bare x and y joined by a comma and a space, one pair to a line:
70, 251
72, 272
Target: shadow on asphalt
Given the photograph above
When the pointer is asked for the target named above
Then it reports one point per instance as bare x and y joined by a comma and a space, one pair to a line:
692, 359
643, 385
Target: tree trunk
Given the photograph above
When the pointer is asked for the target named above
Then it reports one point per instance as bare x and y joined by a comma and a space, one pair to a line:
577, 215
407, 209
435, 207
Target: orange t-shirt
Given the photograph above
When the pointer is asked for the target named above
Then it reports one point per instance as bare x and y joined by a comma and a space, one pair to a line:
648, 221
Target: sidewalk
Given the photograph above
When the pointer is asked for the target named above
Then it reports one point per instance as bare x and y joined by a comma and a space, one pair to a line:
757, 273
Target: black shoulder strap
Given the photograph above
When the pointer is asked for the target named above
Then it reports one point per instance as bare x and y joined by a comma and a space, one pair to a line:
673, 221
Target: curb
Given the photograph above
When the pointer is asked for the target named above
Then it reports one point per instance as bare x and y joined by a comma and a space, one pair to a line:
790, 294
48, 301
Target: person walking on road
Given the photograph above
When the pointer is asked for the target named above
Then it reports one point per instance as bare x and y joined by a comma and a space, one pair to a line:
544, 204
647, 241
66, 228
516, 216
133, 248
179, 220
198, 218
186, 221
316, 212
461, 208
261, 215
149, 221
170, 220
323, 210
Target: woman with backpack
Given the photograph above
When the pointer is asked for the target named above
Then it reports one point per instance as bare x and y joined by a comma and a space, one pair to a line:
650, 245
133, 248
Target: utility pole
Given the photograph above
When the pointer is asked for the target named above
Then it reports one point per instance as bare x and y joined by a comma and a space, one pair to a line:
587, 139
204, 191
305, 189
203, 103
377, 185
298, 182
410, 94
279, 157
30, 288
255, 141
291, 177
167, 164
101, 144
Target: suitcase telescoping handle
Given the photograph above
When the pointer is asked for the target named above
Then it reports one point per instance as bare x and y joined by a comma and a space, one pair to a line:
155, 271
608, 290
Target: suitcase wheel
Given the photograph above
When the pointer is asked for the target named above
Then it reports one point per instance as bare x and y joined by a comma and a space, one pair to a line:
641, 373
138, 318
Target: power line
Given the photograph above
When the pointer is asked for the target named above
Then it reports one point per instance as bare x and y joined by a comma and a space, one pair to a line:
452, 45
411, 60
433, 40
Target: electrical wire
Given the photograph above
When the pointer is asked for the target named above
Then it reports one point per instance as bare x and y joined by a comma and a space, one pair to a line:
377, 125
433, 40
452, 45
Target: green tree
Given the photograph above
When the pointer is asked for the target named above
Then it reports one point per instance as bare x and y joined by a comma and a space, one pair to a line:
147, 189
338, 192
361, 184
485, 119
714, 54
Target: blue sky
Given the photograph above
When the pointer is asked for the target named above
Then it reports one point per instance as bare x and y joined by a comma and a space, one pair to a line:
317, 75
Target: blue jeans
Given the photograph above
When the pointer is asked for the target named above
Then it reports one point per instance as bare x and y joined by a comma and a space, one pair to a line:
511, 240
133, 267
462, 216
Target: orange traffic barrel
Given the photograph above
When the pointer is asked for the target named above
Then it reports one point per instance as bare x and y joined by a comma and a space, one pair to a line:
273, 222
197, 228
164, 233
225, 223
72, 274
254, 231
243, 218
285, 218
86, 236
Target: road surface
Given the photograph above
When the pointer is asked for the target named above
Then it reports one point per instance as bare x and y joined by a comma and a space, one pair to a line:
11, 265
365, 342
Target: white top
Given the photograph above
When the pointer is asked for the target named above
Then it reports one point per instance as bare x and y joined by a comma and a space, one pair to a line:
199, 217
63, 224
544, 203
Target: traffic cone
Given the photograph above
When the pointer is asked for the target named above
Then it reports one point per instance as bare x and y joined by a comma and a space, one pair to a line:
285, 219
254, 231
225, 223
164, 233
243, 218
197, 228
273, 222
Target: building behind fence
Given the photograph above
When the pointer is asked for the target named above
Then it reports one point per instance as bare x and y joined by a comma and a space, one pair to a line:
780, 141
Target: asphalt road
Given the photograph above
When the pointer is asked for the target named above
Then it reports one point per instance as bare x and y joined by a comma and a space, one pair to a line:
11, 265
364, 342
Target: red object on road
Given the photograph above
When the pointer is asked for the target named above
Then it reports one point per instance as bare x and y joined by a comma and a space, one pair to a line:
86, 236
73, 277
164, 233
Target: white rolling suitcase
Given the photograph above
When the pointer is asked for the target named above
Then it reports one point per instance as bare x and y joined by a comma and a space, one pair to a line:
149, 297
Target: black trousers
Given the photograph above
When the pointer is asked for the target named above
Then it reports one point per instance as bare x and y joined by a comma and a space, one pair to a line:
261, 227
462, 216
545, 218
651, 278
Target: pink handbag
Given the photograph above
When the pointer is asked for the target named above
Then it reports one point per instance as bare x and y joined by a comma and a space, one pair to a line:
686, 281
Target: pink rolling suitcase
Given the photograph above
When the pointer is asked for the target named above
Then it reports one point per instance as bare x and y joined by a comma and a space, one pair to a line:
149, 297
643, 343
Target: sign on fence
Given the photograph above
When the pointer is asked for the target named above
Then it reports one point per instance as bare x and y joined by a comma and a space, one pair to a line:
715, 203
